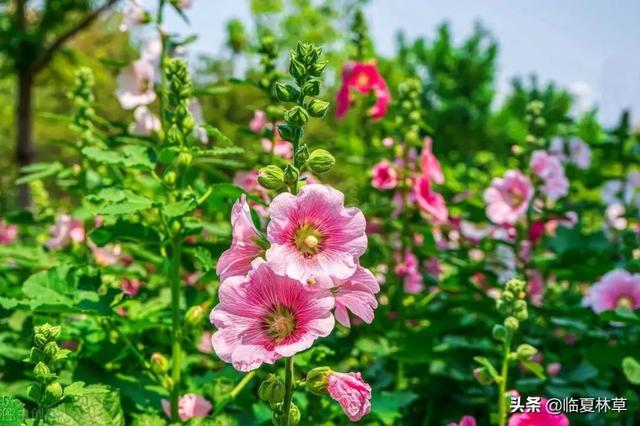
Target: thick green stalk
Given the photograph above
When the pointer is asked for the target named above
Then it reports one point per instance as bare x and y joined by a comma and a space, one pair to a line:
288, 385
176, 326
502, 386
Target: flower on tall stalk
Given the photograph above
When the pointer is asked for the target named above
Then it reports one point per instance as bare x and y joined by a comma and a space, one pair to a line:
351, 392
543, 417
130, 286
245, 245
263, 317
385, 175
549, 168
430, 201
508, 197
364, 78
356, 294
429, 163
314, 236
132, 16
65, 230
407, 267
616, 289
8, 232
146, 123
189, 405
135, 84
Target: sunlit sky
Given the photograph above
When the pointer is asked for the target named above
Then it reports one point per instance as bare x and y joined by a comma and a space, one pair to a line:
589, 45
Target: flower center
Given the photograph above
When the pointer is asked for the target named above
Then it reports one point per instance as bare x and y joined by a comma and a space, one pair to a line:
516, 197
362, 81
308, 240
145, 85
279, 324
625, 302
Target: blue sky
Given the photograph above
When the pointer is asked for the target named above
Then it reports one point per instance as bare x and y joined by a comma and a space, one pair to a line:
589, 45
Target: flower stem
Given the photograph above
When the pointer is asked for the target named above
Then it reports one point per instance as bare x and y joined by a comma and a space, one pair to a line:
176, 332
502, 386
288, 385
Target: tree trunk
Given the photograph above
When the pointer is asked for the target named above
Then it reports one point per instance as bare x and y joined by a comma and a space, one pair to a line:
25, 148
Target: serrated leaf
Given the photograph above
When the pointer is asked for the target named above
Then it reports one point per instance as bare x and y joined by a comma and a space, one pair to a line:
8, 303
179, 208
38, 171
56, 286
94, 407
148, 420
204, 259
631, 369
124, 230
215, 132
130, 156
113, 201
12, 411
79, 388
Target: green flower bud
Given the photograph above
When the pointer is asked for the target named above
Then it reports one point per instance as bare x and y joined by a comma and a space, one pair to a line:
311, 88
519, 305
54, 332
296, 116
499, 332
195, 315
286, 132
41, 371
170, 177
53, 393
318, 68
174, 136
521, 315
286, 92
51, 349
167, 383
35, 391
502, 306
511, 324
271, 177
291, 174
515, 285
318, 380
318, 108
40, 340
482, 375
294, 417
301, 156
36, 355
159, 363
297, 69
184, 159
525, 352
321, 161
507, 295
272, 390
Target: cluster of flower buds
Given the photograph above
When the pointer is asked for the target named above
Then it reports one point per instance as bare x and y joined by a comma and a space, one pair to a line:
512, 303
305, 67
177, 115
46, 390
81, 94
409, 117
268, 51
272, 391
536, 123
159, 365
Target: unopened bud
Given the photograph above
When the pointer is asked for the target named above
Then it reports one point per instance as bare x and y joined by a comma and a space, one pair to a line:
174, 136
318, 68
521, 315
286, 92
35, 392
170, 177
511, 324
51, 349
39, 340
507, 295
159, 363
41, 370
184, 159
302, 155
520, 305
526, 352
321, 161
318, 108
296, 116
318, 380
271, 177
482, 376
53, 392
311, 88
499, 332
297, 69
294, 417
285, 131
195, 315
291, 175
272, 390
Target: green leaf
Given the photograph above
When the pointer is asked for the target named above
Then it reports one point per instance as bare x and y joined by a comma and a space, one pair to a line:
8, 303
114, 201
388, 405
93, 407
39, 171
631, 369
124, 230
128, 156
56, 286
535, 368
148, 420
179, 208
219, 152
204, 260
216, 133
487, 364
12, 411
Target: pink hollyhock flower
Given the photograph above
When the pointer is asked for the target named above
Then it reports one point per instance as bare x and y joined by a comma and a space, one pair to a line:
536, 287
617, 288
385, 175
408, 269
465, 421
508, 197
195, 108
244, 245
433, 267
352, 393
579, 153
65, 230
556, 187
541, 418
387, 142
263, 317
259, 120
189, 405
133, 15
430, 201
282, 148
135, 84
130, 287
152, 50
357, 294
107, 255
313, 235
146, 122
553, 369
549, 168
429, 163
363, 77
475, 232
204, 345
8, 232
248, 180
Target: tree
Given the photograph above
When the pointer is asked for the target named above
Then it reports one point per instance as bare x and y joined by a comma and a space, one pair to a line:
31, 37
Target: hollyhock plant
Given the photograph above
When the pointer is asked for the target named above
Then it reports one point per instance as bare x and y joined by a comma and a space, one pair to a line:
8, 232
245, 245
146, 123
539, 418
385, 175
135, 84
429, 163
352, 393
190, 405
356, 294
65, 230
107, 255
263, 317
407, 268
508, 197
130, 286
313, 235
549, 168
363, 77
616, 289
465, 421
258, 122
430, 201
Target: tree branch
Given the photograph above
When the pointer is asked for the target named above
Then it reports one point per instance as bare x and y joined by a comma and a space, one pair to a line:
46, 57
